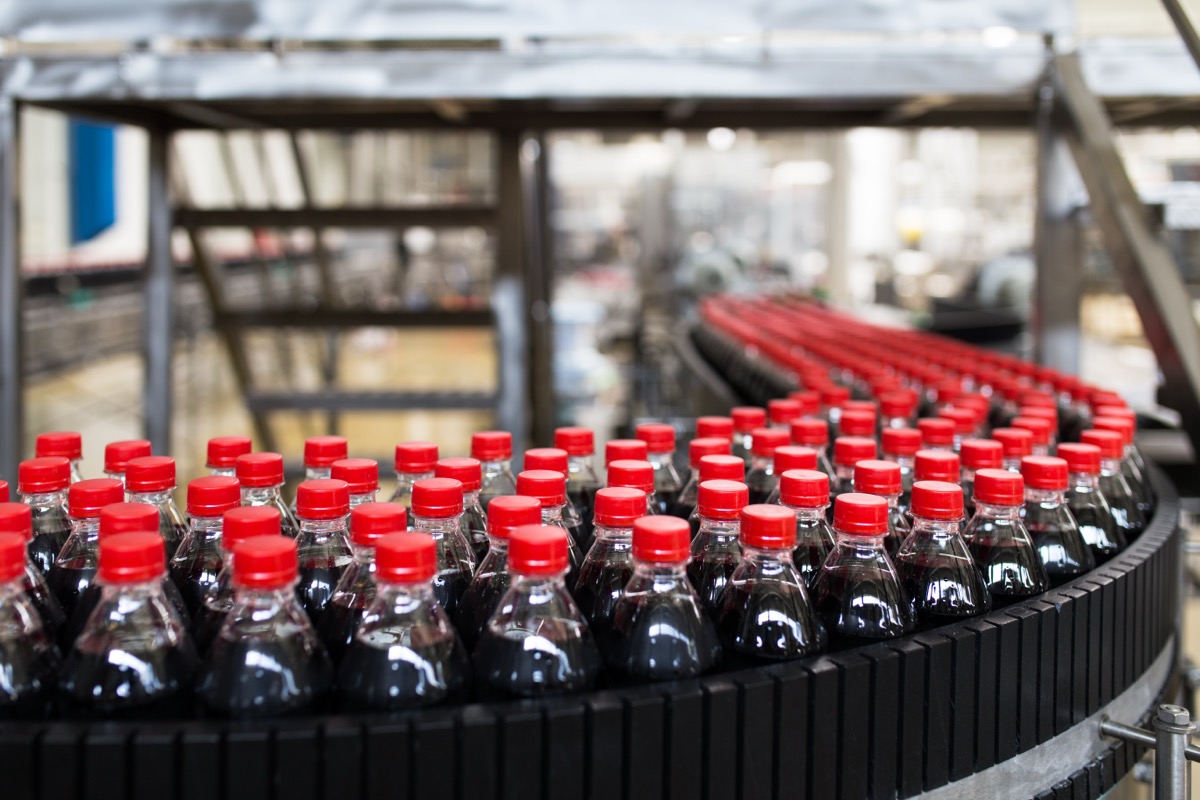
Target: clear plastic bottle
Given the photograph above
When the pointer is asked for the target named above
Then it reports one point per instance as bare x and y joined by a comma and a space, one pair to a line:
761, 477
582, 479
1087, 501
806, 494
29, 661
660, 441
659, 630
75, 567
361, 476
608, 565
814, 433
900, 446
882, 479
134, 658
18, 518
369, 523
1061, 546
550, 489
223, 452
151, 480
536, 643
198, 559
858, 422
61, 444
323, 508
1001, 546
261, 478
848, 451
715, 468
698, 448
715, 428
42, 484
468, 472
405, 653
1015, 443
1039, 429
266, 660
415, 461
630, 474
715, 549
977, 454
491, 579
319, 454
1113, 484
963, 420
858, 594
1047, 411
1135, 473
493, 450
117, 456
437, 506
780, 413
790, 457
745, 420
554, 459
1106, 410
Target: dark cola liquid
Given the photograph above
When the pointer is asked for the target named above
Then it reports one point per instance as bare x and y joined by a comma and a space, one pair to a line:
128, 685
258, 680
814, 541
47, 607
761, 485
91, 598
477, 606
598, 589
1012, 572
206, 624
944, 590
339, 622
50, 532
27, 675
1125, 512
583, 497
172, 532
862, 611
1099, 530
194, 579
521, 664
317, 583
474, 528
898, 531
664, 499
1064, 553
448, 588
660, 637
68, 582
685, 505
767, 621
394, 677
710, 574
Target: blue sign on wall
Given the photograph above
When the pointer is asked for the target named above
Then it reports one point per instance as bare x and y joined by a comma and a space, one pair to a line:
91, 162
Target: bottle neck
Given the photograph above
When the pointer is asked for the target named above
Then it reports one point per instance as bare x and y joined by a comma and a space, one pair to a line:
205, 527
116, 476
1084, 480
551, 514
437, 527
363, 554
497, 544
966, 475
808, 513
660, 459
1110, 466
661, 576
539, 588
905, 462
260, 495
767, 561
720, 528
402, 598
471, 498
45, 498
496, 467
317, 473
762, 463
1045, 496
323, 526
843, 472
223, 472
997, 512
861, 545
581, 466
85, 527
363, 497
935, 527
613, 535
409, 478
153, 498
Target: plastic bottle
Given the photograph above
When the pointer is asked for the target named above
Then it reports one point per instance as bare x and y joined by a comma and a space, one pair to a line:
809, 400
715, 468
491, 579
198, 559
1047, 412
1039, 429
134, 659
857, 593
553, 459
1087, 502
405, 654
536, 643
832, 399
1113, 484
222, 454
630, 474
117, 456
437, 505
898, 409
745, 420
1137, 464
882, 479
761, 477
848, 451
660, 441
369, 524
261, 478
999, 542
936, 433
609, 563
780, 413
715, 550
1134, 474
1061, 546
858, 422
659, 630
323, 542
549, 487
806, 494
1016, 443
977, 454
900, 446
29, 661
963, 420
493, 450
319, 454
75, 567
582, 479
698, 448
715, 428
468, 472
814, 433
415, 461
361, 476
151, 480
790, 457
266, 660
17, 518
42, 485
61, 444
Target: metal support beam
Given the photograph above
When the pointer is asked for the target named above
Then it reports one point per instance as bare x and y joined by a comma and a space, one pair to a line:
357, 217
258, 400
12, 418
539, 284
1186, 27
158, 332
510, 297
1139, 255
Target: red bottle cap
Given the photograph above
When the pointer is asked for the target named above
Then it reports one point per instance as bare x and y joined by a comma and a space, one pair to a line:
1048, 413
266, 562
1080, 457
810, 401
714, 428
4, 493
662, 540
963, 419
1040, 399
322, 451
118, 454
370, 522
982, 454
630, 474
722, 499
260, 470
150, 474
901, 441
576, 441
618, 507
437, 498
360, 474
86, 498
1044, 472
947, 391
937, 465
722, 468
747, 418
1016, 442
546, 458
658, 436
810, 432
467, 471
324, 499
1039, 427
858, 405
860, 514
857, 422
804, 488
246, 522
1110, 443
763, 441
512, 511
128, 518
937, 500
834, 396
491, 445
40, 475
849, 450
61, 444
794, 457
416, 458
699, 448
999, 487
1125, 427
782, 411
405, 558
900, 403
17, 518
936, 432
625, 450
12, 556
223, 451
131, 558
1121, 412
212, 496
877, 477
537, 550
546, 485
768, 526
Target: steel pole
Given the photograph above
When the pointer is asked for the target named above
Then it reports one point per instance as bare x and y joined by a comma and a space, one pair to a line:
1172, 778
158, 330
12, 417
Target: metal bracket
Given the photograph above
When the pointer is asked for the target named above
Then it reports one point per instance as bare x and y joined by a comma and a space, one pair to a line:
1172, 731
